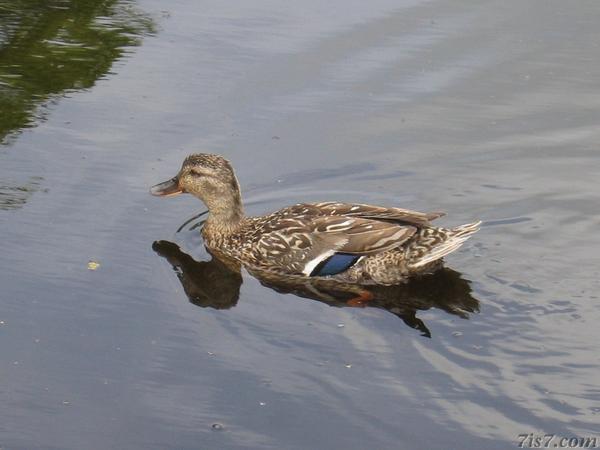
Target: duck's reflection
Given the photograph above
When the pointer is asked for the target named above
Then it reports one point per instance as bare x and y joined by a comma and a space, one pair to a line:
216, 283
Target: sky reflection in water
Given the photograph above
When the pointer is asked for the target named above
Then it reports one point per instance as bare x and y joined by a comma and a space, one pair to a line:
486, 111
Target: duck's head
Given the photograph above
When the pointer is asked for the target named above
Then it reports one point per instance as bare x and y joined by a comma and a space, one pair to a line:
209, 178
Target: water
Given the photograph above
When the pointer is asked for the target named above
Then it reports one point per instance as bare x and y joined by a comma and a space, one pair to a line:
486, 110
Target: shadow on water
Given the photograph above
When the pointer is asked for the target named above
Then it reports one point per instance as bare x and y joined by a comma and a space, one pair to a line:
215, 283
50, 48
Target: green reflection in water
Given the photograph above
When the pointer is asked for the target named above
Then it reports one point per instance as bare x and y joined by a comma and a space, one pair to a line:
15, 196
52, 47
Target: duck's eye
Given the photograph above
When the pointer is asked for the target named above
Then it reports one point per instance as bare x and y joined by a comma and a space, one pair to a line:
197, 173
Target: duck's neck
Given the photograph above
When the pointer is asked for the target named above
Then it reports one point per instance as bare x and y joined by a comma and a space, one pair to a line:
224, 222
225, 213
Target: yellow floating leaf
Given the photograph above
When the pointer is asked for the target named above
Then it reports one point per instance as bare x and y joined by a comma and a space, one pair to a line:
93, 265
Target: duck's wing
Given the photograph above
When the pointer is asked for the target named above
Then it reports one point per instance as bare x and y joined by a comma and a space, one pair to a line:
376, 212
298, 245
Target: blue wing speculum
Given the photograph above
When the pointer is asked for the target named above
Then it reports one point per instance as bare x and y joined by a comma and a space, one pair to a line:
336, 263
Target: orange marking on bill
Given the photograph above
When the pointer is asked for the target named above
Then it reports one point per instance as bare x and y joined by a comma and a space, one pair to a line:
172, 194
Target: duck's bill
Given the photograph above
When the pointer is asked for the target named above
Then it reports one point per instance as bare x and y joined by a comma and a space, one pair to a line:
167, 188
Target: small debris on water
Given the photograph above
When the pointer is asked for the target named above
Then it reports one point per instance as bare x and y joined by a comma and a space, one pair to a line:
262, 403
457, 333
66, 403
348, 366
340, 325
217, 426
93, 265
210, 354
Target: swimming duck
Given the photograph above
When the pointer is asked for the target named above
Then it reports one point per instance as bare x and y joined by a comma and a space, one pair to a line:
345, 242
211, 283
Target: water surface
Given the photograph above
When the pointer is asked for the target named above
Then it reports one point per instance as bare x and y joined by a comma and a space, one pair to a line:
486, 110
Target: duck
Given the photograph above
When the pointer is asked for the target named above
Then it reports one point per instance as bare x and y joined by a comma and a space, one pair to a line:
213, 283
350, 243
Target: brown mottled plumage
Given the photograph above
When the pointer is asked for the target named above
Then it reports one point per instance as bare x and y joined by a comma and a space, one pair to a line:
378, 245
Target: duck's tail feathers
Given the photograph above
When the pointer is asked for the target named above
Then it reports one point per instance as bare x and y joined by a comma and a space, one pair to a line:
455, 238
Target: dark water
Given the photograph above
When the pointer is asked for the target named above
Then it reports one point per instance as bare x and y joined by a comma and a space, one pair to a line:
488, 110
